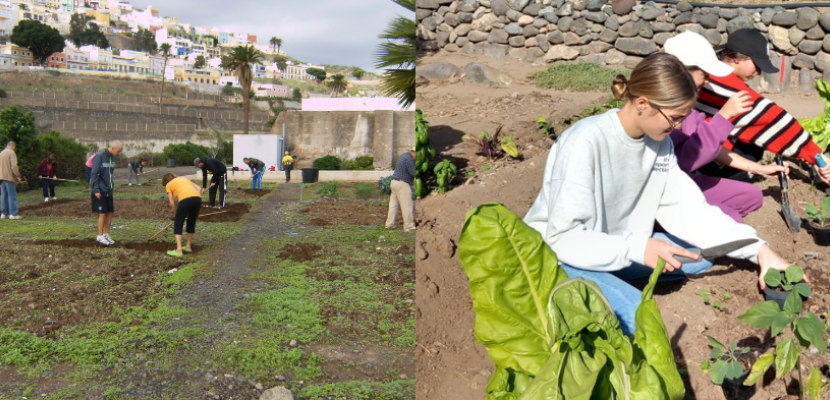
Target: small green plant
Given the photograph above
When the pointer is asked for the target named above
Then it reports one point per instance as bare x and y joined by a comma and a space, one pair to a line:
385, 185
444, 172
725, 363
807, 330
789, 280
424, 152
597, 109
364, 191
494, 146
819, 218
707, 299
329, 163
330, 189
470, 173
545, 127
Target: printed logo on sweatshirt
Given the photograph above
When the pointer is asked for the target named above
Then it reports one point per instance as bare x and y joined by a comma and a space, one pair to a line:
662, 164
108, 165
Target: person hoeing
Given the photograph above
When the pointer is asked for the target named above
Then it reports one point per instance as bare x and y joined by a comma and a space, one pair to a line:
189, 197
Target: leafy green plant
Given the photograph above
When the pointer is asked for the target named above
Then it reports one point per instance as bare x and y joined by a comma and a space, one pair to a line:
184, 153
330, 189
494, 146
329, 163
545, 127
364, 191
385, 185
788, 280
819, 127
807, 330
597, 109
424, 152
725, 360
707, 299
819, 218
363, 163
444, 172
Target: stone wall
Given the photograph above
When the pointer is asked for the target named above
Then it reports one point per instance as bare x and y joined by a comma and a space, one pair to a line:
545, 31
348, 134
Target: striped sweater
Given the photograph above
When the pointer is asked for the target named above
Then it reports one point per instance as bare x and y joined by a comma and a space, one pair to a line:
766, 125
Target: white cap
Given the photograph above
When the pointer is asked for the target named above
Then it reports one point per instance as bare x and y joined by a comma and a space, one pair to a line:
693, 50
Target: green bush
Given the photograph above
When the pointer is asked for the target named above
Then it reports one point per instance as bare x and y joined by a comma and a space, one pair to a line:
329, 189
385, 185
227, 90
71, 154
364, 191
329, 163
184, 153
364, 163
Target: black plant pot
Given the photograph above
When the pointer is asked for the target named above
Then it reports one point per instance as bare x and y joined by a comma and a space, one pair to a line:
820, 235
171, 163
778, 297
734, 389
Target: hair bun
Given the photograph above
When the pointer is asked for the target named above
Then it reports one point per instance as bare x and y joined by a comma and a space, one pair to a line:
619, 86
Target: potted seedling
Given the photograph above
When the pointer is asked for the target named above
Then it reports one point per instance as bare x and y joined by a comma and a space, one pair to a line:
780, 284
728, 367
806, 330
818, 222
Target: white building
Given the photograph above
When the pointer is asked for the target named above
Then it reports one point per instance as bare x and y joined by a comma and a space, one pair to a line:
100, 59
76, 59
143, 18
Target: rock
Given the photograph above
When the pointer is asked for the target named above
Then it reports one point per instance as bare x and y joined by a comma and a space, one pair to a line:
572, 39
644, 29
452, 48
513, 29
551, 17
740, 22
622, 7
580, 26
608, 36
463, 29
429, 23
826, 75
650, 14
477, 36
555, 37
540, 23
293, 343
691, 27
532, 9
428, 4
518, 5
485, 75
632, 61
796, 36
531, 42
684, 6
277, 393
785, 19
596, 5
815, 33
494, 50
824, 21
560, 52
766, 16
807, 17
597, 59
499, 7
728, 13
621, 19
823, 61
567, 9
451, 19
533, 53
636, 46
422, 13
517, 41
709, 21
530, 31
525, 20
825, 44
614, 57
713, 36
629, 29
722, 25
683, 18
467, 5
596, 48
598, 17
809, 46
565, 24
543, 43
442, 38
660, 38
498, 36
612, 23
517, 53
485, 23
803, 61
780, 39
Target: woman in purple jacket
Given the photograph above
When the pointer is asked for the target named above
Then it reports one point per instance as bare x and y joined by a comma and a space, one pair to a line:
698, 142
46, 172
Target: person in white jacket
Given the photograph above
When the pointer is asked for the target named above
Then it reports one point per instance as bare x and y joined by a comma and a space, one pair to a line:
611, 176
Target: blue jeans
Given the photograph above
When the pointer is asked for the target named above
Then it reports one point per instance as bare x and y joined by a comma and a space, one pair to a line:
616, 285
257, 181
8, 198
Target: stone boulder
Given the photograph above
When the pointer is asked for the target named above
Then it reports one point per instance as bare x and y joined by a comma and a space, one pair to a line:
485, 75
561, 52
280, 393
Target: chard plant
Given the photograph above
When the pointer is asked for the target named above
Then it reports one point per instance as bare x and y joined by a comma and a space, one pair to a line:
444, 172
725, 363
424, 152
789, 280
545, 127
816, 216
495, 145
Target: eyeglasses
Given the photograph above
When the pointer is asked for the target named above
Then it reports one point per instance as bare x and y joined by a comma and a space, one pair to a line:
674, 122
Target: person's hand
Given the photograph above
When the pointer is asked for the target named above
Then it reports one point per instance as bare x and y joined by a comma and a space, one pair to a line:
824, 173
738, 104
202, 191
213, 184
770, 170
769, 259
98, 196
665, 250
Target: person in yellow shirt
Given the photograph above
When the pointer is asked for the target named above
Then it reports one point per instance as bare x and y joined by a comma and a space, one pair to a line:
189, 196
287, 165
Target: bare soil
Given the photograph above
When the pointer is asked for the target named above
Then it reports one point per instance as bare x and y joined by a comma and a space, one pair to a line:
133, 209
450, 363
333, 212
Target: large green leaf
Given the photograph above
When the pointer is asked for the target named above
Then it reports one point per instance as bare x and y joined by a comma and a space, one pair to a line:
779, 322
733, 369
718, 372
786, 355
794, 273
511, 149
811, 329
813, 388
759, 369
512, 272
793, 303
760, 315
803, 289
772, 278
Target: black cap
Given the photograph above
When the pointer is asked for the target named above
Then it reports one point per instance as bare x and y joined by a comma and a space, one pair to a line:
753, 44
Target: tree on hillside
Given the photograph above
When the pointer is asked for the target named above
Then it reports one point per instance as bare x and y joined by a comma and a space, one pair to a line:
317, 73
225, 62
297, 95
146, 41
397, 56
358, 72
276, 43
165, 52
282, 62
338, 84
241, 59
200, 62
77, 25
93, 35
41, 39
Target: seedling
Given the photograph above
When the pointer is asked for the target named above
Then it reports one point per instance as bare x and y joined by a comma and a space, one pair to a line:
494, 146
470, 173
726, 363
707, 299
819, 218
546, 128
789, 280
444, 172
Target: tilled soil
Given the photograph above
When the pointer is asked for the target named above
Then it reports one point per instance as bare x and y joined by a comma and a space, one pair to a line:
333, 212
451, 364
133, 209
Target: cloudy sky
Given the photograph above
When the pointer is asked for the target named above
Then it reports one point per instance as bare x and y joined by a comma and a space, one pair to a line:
323, 31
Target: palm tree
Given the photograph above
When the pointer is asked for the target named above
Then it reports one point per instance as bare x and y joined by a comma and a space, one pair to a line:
278, 42
338, 84
397, 56
273, 42
241, 58
165, 51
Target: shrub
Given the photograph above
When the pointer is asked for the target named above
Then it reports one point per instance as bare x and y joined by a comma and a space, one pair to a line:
327, 163
184, 153
363, 163
385, 185
3, 93
71, 154
227, 90
364, 191
329, 189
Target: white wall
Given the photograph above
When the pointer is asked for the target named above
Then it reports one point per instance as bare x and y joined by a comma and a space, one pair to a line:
268, 148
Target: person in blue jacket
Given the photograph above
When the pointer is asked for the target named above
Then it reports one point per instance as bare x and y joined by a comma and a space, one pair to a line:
102, 184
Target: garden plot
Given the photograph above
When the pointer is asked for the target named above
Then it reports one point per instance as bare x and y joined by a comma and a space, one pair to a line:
133, 209
329, 212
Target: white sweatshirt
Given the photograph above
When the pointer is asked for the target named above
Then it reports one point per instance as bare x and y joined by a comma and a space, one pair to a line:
603, 191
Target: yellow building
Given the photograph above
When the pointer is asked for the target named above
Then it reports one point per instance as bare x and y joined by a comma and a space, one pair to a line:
210, 76
20, 56
101, 16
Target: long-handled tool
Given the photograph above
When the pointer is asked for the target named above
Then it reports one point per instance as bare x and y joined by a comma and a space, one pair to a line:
790, 216
168, 225
59, 179
157, 169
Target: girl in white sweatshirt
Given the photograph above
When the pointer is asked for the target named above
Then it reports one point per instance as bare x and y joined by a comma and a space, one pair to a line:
611, 176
